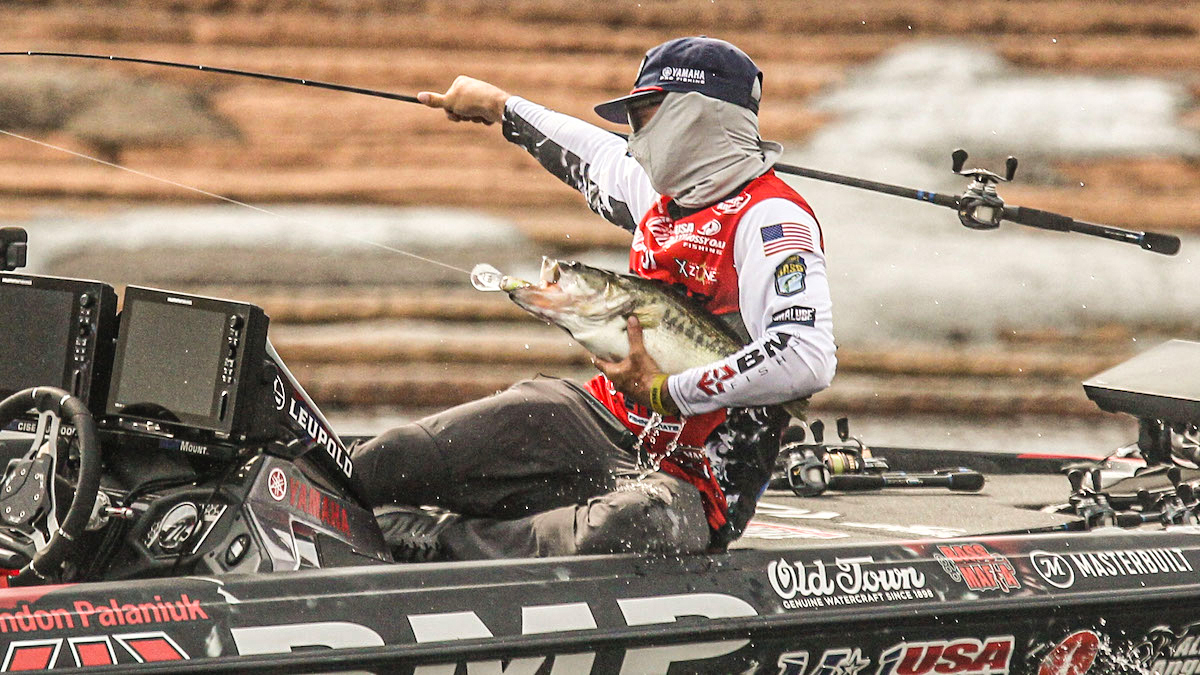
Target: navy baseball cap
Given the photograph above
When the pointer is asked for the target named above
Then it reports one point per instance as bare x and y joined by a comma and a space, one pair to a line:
712, 67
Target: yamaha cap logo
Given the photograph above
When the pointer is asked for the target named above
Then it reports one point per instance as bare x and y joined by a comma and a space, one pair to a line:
689, 75
1053, 568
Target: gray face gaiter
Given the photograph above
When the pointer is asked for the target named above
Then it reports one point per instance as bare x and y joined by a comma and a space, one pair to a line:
697, 149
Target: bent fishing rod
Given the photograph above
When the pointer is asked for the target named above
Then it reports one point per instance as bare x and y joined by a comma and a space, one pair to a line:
978, 208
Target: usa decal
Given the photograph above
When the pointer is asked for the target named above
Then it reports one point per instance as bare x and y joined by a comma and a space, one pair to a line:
949, 657
789, 276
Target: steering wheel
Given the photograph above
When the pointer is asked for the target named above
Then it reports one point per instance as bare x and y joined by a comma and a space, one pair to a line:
31, 538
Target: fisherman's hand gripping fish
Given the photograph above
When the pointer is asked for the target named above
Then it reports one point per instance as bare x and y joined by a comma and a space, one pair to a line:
639, 330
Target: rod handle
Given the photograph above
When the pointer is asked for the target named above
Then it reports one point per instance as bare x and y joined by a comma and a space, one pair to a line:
1166, 244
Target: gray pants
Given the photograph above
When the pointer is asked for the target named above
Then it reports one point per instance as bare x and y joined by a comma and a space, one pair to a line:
540, 469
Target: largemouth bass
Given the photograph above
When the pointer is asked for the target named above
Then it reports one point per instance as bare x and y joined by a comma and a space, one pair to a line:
592, 304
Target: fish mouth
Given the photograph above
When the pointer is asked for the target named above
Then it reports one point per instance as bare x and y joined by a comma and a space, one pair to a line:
545, 295
551, 272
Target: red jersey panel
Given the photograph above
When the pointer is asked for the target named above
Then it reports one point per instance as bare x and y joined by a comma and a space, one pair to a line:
695, 252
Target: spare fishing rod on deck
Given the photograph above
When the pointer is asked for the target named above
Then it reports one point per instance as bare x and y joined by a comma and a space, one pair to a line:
979, 207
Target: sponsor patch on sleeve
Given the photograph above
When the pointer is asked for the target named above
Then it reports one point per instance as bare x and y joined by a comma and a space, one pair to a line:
789, 276
804, 316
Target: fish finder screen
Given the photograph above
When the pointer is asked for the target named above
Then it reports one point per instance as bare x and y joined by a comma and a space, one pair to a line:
172, 359
33, 342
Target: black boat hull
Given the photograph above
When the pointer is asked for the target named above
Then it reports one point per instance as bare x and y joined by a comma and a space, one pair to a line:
1109, 602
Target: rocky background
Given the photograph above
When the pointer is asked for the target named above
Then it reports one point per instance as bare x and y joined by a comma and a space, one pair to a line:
943, 332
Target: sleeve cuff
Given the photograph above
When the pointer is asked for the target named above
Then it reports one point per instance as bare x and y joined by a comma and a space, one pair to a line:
674, 382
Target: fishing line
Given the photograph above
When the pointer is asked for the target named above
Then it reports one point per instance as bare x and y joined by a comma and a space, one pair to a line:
225, 71
231, 200
978, 208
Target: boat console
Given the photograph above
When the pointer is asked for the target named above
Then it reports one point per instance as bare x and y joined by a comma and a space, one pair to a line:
214, 458
57, 332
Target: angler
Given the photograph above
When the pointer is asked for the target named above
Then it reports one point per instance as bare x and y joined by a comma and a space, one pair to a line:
548, 467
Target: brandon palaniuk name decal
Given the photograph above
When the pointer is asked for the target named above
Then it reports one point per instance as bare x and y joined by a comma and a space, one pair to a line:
84, 614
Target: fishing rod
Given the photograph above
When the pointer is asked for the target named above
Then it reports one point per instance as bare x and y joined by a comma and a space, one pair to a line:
225, 71
981, 208
978, 208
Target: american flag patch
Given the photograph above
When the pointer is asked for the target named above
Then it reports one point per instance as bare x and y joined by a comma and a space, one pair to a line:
786, 237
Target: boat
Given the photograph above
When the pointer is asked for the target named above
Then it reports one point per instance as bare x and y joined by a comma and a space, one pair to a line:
175, 502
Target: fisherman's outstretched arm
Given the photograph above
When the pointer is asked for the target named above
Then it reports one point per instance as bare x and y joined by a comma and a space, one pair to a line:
582, 155
785, 304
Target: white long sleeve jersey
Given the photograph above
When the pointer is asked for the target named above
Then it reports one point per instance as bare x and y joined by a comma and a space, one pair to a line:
782, 286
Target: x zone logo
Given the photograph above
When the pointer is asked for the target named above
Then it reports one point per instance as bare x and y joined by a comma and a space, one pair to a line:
698, 271
150, 647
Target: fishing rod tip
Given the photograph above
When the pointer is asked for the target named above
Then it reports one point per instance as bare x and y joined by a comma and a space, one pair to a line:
1166, 244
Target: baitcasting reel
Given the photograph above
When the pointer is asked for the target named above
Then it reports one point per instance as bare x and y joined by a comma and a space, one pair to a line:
813, 468
980, 208
811, 465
